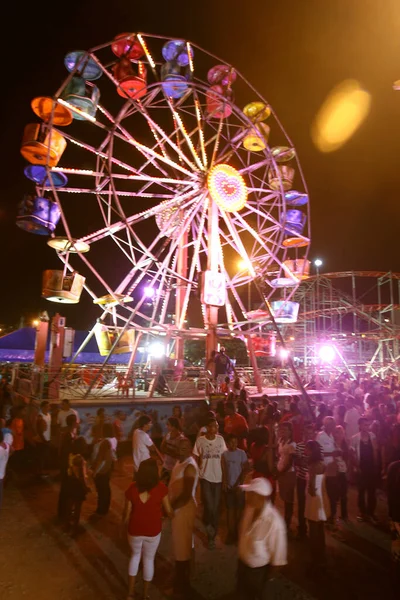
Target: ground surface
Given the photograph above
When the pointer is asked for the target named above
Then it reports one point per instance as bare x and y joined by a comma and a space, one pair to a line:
38, 560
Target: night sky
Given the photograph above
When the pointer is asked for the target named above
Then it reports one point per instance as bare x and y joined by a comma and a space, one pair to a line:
293, 51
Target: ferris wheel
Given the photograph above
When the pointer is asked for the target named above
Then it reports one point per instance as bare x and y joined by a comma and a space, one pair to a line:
158, 167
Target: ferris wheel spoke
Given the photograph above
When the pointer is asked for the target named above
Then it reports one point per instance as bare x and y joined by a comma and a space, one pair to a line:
235, 294
148, 254
167, 139
240, 248
256, 236
255, 166
146, 214
149, 153
194, 261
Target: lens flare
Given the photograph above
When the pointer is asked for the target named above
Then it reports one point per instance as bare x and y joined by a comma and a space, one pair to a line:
343, 112
327, 353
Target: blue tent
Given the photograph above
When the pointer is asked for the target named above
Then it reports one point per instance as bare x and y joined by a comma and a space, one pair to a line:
19, 346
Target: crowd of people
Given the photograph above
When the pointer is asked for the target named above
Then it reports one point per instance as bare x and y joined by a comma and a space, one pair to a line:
240, 457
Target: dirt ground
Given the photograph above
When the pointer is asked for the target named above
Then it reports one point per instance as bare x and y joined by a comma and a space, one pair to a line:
38, 560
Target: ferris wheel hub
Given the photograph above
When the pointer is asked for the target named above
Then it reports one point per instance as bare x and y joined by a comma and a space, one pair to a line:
227, 187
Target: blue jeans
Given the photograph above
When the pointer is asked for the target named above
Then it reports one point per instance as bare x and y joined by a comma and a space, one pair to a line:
211, 497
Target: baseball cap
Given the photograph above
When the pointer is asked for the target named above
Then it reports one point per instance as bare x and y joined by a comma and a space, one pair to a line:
259, 485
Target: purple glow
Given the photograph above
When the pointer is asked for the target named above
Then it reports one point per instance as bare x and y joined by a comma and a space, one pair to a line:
149, 292
327, 353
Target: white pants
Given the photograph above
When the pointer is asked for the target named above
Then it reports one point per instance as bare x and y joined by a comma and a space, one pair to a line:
143, 547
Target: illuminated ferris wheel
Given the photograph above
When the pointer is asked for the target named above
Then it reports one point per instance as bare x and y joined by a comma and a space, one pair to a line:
157, 165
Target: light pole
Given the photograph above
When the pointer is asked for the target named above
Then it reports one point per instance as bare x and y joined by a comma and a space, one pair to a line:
317, 264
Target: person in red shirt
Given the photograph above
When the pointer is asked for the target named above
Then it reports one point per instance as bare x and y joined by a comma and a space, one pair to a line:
236, 424
147, 497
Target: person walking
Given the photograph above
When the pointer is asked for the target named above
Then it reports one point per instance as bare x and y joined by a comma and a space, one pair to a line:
76, 486
145, 500
209, 449
301, 468
351, 417
236, 424
235, 465
223, 366
365, 454
66, 442
262, 541
43, 438
316, 511
286, 471
342, 464
326, 440
103, 459
169, 448
182, 496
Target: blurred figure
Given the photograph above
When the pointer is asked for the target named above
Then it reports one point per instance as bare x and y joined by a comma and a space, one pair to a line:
103, 459
285, 468
262, 541
98, 425
364, 449
5, 449
350, 419
182, 496
234, 468
66, 443
177, 414
326, 440
316, 505
342, 463
301, 467
170, 448
43, 438
393, 495
63, 413
236, 424
76, 485
254, 417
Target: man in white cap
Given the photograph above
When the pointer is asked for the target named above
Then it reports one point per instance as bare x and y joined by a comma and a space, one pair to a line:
262, 541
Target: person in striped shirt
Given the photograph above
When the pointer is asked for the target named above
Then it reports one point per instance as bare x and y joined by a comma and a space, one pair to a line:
301, 466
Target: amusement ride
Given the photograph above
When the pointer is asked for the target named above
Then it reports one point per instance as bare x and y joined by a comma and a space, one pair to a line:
158, 170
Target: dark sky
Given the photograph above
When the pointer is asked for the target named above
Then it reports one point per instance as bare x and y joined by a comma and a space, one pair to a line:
293, 51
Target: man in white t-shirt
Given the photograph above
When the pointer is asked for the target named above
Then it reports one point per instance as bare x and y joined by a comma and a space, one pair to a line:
142, 444
43, 429
326, 440
262, 546
4, 456
208, 450
63, 413
351, 417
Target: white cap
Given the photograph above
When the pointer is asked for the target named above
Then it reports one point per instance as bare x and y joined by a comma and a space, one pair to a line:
259, 485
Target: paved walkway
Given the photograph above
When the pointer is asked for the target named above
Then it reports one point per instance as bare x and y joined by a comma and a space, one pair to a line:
37, 559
